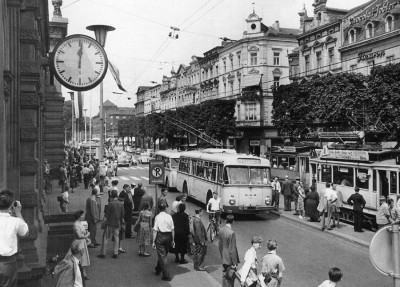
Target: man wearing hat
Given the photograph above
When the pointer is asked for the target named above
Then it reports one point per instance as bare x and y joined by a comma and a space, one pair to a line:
382, 214
287, 190
358, 203
248, 272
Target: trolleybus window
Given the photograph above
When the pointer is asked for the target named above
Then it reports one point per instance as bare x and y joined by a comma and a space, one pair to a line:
326, 173
184, 165
343, 175
393, 182
244, 175
362, 180
174, 162
220, 177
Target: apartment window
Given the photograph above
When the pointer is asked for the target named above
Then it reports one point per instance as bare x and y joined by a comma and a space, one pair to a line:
389, 24
371, 64
369, 30
231, 64
239, 63
353, 68
319, 61
276, 82
224, 89
211, 72
250, 112
238, 112
307, 59
216, 70
276, 59
253, 58
231, 88
117, 117
224, 66
352, 36
240, 84
331, 53
390, 59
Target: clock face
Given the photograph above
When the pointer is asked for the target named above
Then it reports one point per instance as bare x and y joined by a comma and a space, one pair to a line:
79, 62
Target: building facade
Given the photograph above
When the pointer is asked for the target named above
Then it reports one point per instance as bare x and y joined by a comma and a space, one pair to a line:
209, 75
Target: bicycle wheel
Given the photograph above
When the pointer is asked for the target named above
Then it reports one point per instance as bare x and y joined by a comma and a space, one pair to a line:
211, 231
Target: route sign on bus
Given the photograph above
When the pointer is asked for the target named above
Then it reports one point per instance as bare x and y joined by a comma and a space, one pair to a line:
156, 172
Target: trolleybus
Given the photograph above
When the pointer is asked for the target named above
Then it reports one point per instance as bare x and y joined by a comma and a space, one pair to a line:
241, 181
171, 162
375, 171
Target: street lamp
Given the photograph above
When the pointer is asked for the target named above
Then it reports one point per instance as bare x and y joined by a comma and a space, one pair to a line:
100, 32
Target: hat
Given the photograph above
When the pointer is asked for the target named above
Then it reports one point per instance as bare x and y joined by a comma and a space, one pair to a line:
256, 239
382, 198
286, 176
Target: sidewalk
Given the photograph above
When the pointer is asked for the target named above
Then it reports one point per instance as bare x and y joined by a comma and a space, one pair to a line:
129, 269
345, 232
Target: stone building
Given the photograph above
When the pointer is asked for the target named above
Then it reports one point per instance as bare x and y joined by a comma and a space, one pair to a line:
209, 74
168, 92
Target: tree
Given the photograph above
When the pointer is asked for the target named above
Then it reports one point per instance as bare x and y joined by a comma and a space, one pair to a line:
123, 130
67, 117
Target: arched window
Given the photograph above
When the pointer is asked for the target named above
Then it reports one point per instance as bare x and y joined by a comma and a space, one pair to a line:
389, 23
352, 36
369, 30
319, 16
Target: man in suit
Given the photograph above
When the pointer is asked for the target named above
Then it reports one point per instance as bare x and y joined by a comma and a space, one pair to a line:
146, 198
69, 271
138, 193
358, 203
92, 217
228, 251
126, 196
199, 238
162, 199
287, 190
115, 219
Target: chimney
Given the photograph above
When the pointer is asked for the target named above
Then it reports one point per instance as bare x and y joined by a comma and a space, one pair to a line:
276, 26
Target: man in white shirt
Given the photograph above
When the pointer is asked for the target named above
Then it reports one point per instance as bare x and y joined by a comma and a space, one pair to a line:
164, 234
214, 209
331, 198
335, 276
249, 268
276, 190
10, 228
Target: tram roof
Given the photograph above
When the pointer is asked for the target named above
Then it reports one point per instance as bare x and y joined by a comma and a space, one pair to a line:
227, 158
169, 153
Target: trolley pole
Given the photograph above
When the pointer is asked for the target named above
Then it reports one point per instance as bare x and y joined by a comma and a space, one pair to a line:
396, 255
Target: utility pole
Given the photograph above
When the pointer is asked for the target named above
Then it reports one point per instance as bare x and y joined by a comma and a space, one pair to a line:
72, 119
84, 111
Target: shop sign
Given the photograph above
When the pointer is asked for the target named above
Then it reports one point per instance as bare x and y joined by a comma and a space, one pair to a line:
289, 149
255, 143
353, 155
364, 56
372, 12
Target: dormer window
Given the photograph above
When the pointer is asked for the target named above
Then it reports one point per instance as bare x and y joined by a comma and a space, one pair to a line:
369, 30
352, 36
319, 16
389, 23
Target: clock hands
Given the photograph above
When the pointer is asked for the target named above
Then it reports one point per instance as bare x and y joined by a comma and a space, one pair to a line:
80, 53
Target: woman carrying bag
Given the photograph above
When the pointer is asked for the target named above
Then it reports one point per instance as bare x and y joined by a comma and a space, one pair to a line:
248, 273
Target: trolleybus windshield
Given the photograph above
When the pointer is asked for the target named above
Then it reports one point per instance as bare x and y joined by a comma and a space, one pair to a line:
246, 175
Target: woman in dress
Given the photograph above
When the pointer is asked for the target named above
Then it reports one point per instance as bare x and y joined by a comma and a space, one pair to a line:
83, 236
64, 200
312, 201
143, 237
300, 200
182, 231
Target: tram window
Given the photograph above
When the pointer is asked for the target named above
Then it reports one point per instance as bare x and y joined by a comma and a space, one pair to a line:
362, 180
274, 161
393, 182
374, 179
326, 173
307, 165
343, 175
220, 169
292, 163
283, 162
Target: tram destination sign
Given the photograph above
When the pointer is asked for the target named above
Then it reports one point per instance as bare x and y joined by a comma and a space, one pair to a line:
350, 155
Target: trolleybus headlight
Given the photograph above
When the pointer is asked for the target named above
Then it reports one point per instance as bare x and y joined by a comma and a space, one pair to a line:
232, 200
267, 200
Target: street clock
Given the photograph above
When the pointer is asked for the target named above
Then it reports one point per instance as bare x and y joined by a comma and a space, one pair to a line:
79, 62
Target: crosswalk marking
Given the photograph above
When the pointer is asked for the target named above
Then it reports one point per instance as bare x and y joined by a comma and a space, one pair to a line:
146, 178
123, 178
139, 167
135, 178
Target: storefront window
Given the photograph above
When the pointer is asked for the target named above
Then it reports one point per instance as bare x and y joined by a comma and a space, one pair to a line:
343, 175
326, 173
362, 180
393, 182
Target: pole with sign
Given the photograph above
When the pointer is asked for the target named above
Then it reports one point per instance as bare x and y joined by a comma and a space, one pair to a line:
156, 175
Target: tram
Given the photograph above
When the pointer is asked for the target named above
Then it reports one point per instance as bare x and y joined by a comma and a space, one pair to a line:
373, 169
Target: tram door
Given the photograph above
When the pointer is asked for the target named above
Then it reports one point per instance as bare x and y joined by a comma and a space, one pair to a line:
383, 183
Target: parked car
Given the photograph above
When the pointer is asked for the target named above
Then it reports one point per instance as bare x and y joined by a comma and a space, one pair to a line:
124, 160
144, 158
138, 150
134, 160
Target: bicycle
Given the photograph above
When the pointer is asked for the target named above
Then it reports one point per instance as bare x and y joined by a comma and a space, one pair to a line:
212, 227
48, 187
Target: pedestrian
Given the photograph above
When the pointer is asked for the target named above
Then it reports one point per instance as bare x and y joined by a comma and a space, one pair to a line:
143, 237
12, 225
138, 192
73, 182
331, 198
162, 199
295, 195
199, 239
182, 231
339, 205
300, 200
86, 176
174, 205
114, 221
287, 190
164, 238
276, 190
82, 236
312, 201
92, 218
64, 200
323, 205
126, 197
248, 273
272, 266
114, 186
335, 276
146, 198
69, 272
358, 203
62, 182
394, 212
382, 214
79, 172
228, 251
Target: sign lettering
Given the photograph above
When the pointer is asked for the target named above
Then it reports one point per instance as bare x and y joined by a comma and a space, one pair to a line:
351, 155
363, 56
156, 171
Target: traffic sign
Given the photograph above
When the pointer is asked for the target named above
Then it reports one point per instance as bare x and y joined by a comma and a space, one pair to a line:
380, 251
156, 172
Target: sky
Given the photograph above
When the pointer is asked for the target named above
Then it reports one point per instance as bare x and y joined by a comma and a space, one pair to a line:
140, 47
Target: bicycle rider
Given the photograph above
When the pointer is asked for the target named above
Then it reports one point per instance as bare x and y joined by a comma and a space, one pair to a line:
214, 209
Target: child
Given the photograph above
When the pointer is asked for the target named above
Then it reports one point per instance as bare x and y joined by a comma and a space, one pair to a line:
335, 276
